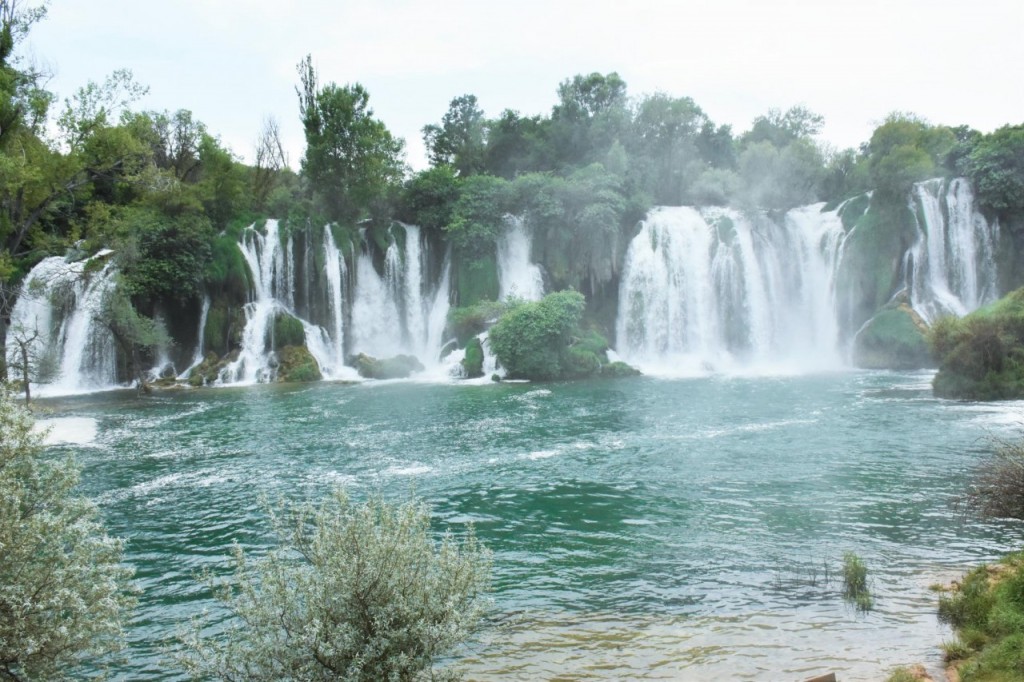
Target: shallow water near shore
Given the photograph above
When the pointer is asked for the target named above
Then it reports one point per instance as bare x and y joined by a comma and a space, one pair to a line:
642, 528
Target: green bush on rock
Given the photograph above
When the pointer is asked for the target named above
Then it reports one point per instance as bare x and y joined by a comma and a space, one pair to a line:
981, 356
473, 363
542, 340
531, 341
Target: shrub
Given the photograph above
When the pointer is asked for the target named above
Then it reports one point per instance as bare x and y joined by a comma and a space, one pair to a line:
63, 589
354, 591
855, 582
531, 341
997, 489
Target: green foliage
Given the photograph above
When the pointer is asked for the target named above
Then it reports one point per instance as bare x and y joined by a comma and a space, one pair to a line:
902, 674
351, 158
226, 274
170, 258
429, 198
532, 340
64, 591
459, 142
473, 362
981, 357
476, 279
468, 321
855, 582
478, 215
986, 610
904, 150
358, 592
996, 168
287, 330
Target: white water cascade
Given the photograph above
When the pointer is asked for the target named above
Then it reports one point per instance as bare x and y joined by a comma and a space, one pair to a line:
271, 291
357, 311
59, 316
951, 267
517, 275
399, 313
714, 290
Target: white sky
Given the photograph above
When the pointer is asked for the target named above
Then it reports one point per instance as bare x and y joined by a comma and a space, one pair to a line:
232, 62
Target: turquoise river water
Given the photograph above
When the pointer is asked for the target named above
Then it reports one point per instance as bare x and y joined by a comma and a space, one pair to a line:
641, 528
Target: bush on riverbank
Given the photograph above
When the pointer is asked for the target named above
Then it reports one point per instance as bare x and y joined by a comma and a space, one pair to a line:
354, 591
986, 609
981, 356
63, 587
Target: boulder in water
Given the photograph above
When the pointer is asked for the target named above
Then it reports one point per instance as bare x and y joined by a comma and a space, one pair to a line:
296, 364
398, 367
893, 339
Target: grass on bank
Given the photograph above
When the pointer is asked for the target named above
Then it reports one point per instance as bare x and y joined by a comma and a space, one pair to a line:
986, 609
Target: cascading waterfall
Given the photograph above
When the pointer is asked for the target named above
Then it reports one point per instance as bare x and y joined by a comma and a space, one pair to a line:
710, 289
396, 314
197, 357
271, 287
951, 267
60, 311
517, 275
381, 315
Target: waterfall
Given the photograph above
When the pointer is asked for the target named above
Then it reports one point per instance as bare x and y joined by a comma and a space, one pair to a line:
335, 269
396, 314
951, 267
271, 287
197, 356
713, 289
60, 309
517, 276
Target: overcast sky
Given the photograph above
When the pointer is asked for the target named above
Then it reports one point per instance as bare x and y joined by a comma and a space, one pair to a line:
232, 62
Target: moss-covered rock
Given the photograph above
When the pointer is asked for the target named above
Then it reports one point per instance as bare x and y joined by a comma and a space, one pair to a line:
287, 330
398, 367
614, 370
473, 362
981, 356
467, 321
895, 338
476, 279
297, 364
209, 369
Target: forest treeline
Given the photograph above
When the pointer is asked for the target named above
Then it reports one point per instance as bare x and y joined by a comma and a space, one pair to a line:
162, 191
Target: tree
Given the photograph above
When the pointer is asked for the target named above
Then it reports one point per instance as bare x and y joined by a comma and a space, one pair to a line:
270, 161
461, 139
351, 159
357, 592
996, 167
63, 588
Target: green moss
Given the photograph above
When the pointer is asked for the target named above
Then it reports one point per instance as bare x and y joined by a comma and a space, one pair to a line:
227, 276
287, 330
297, 364
473, 363
614, 370
476, 279
872, 259
853, 210
467, 321
893, 339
